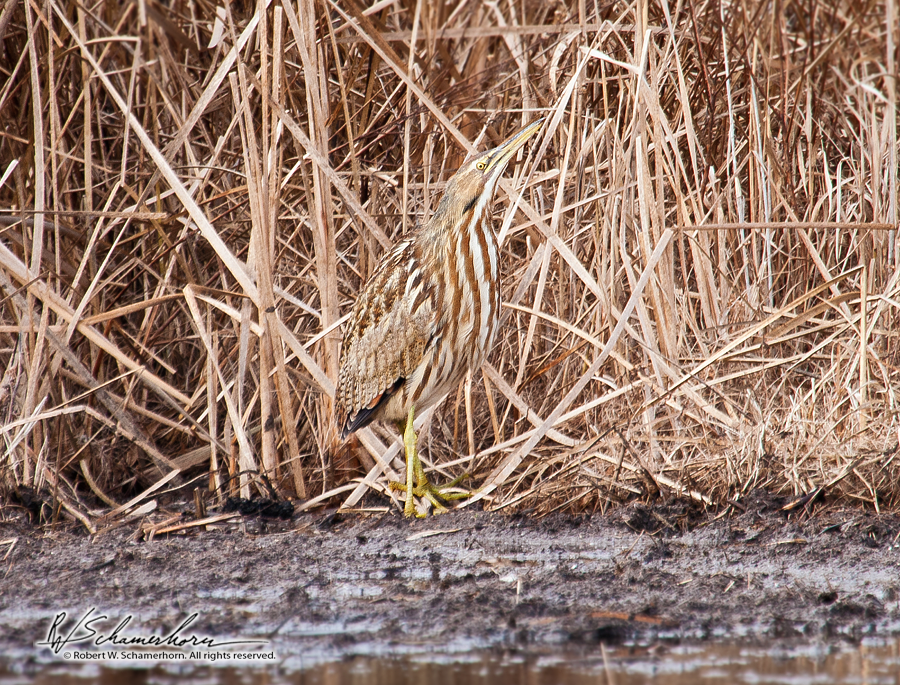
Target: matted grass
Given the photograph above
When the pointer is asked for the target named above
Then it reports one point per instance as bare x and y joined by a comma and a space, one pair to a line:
699, 250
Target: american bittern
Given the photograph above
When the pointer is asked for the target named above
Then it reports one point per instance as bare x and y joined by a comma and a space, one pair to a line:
427, 315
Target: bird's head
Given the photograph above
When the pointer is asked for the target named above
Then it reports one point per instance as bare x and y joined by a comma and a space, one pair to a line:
475, 181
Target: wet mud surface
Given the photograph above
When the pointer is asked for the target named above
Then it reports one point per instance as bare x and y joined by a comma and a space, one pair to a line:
324, 586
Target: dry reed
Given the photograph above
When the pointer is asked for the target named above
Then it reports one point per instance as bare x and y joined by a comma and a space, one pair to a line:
699, 253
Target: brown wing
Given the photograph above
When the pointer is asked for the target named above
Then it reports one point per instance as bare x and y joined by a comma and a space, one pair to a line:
392, 324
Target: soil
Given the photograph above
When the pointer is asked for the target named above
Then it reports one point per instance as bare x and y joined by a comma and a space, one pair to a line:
322, 586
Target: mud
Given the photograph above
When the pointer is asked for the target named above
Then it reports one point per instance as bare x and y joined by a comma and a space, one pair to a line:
324, 586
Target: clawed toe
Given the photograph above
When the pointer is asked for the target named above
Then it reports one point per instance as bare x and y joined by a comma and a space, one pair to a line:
433, 494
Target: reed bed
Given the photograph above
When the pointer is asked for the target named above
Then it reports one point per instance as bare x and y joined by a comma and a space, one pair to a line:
701, 292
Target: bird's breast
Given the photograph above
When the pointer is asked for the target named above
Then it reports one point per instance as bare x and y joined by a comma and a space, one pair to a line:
467, 298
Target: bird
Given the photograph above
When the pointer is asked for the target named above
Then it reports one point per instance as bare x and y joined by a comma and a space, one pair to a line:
427, 316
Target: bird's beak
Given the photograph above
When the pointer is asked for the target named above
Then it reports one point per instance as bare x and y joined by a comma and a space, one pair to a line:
500, 155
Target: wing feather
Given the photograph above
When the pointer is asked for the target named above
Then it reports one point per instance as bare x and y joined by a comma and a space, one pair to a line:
392, 324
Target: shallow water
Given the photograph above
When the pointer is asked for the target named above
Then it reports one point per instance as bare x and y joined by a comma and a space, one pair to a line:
709, 664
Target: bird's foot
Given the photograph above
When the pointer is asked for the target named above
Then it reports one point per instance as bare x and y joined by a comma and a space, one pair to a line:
417, 484
433, 494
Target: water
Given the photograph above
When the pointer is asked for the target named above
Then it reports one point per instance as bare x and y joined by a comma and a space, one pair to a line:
710, 664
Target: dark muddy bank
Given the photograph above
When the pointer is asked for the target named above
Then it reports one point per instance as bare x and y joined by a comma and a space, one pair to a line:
324, 586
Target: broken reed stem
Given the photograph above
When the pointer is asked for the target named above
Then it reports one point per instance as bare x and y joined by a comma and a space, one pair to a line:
863, 347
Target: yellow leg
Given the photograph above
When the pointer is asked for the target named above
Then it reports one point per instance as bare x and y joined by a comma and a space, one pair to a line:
409, 444
415, 472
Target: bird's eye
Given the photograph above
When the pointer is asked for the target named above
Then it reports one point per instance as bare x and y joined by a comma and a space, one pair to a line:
480, 165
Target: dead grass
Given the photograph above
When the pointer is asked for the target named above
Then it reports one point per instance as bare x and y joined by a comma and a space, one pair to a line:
699, 251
